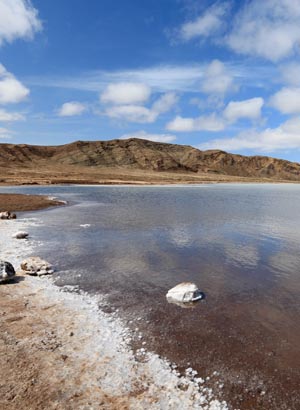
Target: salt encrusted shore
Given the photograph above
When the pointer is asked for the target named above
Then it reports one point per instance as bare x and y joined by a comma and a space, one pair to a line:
59, 350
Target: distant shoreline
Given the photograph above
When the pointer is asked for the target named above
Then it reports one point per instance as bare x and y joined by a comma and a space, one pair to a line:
159, 182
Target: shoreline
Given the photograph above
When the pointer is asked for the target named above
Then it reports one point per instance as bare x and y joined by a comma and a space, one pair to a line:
243, 181
84, 360
24, 203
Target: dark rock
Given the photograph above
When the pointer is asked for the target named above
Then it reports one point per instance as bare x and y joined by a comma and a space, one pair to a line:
7, 215
7, 271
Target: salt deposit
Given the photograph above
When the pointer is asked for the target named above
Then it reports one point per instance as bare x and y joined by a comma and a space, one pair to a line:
101, 341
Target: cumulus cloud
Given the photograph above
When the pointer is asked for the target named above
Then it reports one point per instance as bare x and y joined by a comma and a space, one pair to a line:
268, 29
71, 109
284, 137
202, 123
149, 136
6, 116
11, 90
18, 19
141, 114
125, 93
235, 110
206, 24
287, 100
250, 109
131, 113
217, 79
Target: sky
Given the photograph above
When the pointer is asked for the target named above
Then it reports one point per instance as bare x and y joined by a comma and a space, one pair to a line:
211, 74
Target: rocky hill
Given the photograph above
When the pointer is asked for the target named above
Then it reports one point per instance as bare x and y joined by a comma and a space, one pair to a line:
134, 155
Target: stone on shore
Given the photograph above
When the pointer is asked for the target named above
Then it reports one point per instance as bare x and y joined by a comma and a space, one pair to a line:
7, 215
7, 271
35, 266
185, 292
21, 235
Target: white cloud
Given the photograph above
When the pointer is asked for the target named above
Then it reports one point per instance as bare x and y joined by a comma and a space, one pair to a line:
205, 25
131, 113
125, 93
18, 19
71, 109
217, 79
268, 29
284, 137
6, 116
5, 134
11, 90
164, 103
151, 137
291, 73
202, 123
250, 109
287, 100
141, 114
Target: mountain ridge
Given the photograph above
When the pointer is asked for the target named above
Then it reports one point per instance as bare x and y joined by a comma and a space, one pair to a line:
134, 155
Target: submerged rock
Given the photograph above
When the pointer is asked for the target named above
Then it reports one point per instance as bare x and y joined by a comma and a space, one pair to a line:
36, 266
185, 292
7, 215
7, 271
21, 235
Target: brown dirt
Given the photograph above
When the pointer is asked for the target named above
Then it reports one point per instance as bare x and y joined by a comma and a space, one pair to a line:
37, 372
20, 202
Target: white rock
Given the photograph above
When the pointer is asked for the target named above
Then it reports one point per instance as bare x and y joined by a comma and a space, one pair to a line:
21, 235
36, 266
185, 292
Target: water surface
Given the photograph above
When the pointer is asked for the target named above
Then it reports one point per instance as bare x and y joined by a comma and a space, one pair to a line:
239, 243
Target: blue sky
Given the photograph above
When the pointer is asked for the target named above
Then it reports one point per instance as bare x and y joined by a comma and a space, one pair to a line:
212, 74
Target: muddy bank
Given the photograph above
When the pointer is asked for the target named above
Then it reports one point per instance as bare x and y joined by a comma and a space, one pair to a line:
20, 202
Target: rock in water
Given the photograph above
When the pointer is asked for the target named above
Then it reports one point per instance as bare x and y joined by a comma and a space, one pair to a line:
7, 271
185, 292
7, 215
36, 266
21, 235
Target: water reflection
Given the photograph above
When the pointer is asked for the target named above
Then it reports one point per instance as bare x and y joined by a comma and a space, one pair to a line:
239, 243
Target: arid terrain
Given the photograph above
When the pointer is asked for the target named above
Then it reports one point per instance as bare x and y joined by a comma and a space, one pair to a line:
20, 202
135, 161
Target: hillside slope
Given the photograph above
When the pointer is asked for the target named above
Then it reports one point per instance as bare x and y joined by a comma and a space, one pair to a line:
137, 155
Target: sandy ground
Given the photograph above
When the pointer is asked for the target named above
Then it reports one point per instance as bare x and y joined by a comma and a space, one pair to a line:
58, 350
20, 202
97, 175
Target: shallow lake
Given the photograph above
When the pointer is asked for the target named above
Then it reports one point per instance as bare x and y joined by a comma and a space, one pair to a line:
239, 243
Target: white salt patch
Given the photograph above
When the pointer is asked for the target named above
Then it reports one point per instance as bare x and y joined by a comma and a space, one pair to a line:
104, 344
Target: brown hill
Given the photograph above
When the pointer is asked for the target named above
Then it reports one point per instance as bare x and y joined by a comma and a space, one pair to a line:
134, 160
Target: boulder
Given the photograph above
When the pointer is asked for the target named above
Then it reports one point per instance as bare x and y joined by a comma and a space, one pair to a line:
36, 266
7, 215
21, 235
185, 292
7, 271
